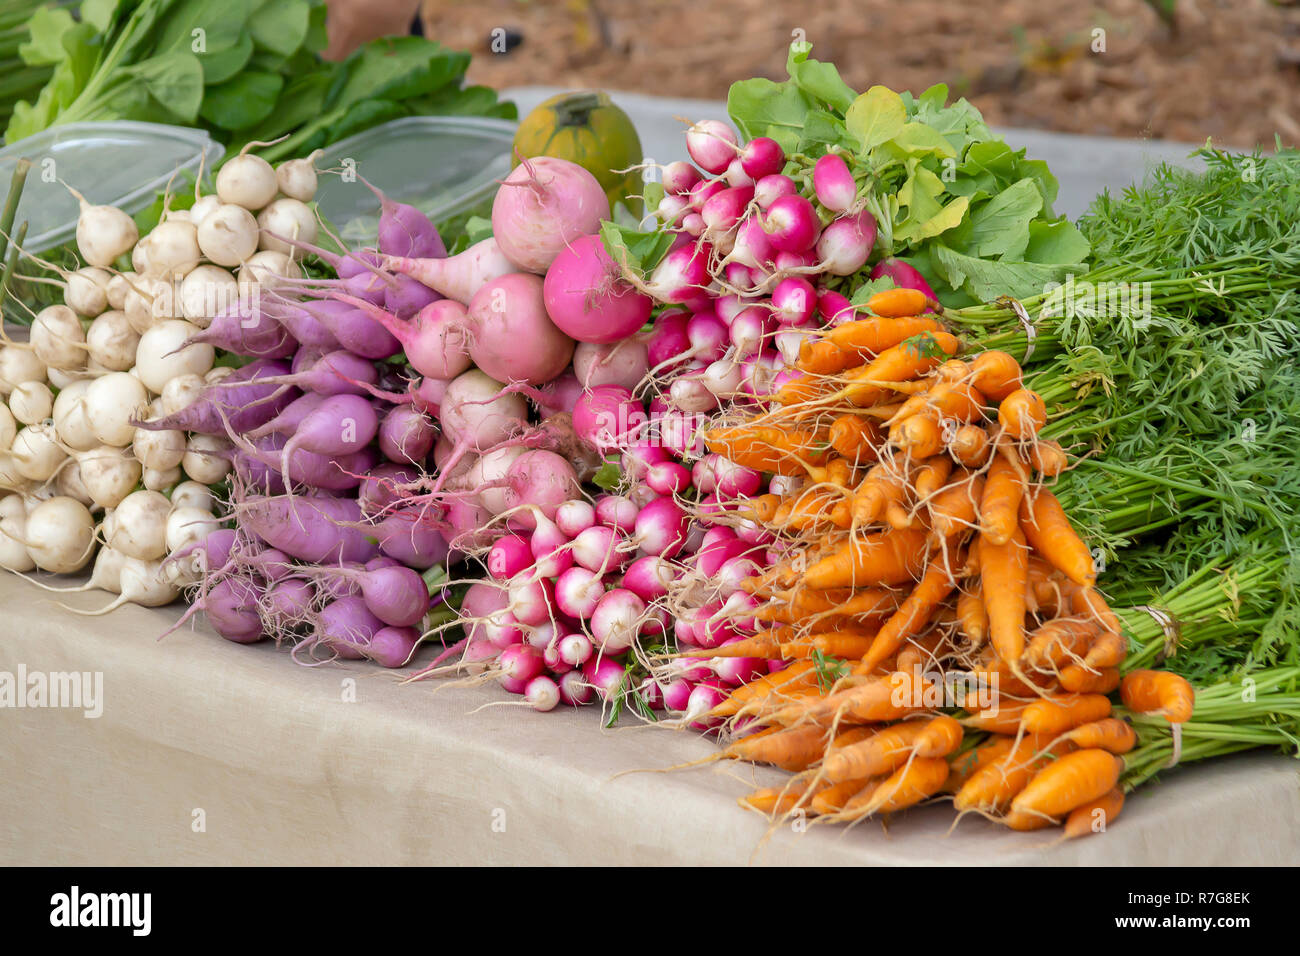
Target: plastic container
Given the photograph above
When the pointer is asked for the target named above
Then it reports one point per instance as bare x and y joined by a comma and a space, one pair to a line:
443, 165
123, 164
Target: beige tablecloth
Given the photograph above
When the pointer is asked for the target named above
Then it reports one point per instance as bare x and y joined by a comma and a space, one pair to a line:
207, 752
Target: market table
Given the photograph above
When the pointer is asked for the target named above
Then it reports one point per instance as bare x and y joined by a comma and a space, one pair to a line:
210, 753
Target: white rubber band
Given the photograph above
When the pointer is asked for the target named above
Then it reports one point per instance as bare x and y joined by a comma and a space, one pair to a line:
1178, 745
1168, 624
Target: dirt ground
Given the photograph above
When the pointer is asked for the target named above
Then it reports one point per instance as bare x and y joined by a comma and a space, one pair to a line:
1227, 69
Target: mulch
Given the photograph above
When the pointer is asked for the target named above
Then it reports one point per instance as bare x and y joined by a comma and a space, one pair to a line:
1225, 69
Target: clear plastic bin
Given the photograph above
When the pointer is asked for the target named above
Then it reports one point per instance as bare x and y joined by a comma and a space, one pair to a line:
124, 164
442, 165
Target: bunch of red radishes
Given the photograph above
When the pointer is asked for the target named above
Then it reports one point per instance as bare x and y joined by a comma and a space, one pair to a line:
759, 238
576, 595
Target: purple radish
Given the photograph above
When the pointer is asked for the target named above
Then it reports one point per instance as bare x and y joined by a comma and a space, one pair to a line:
406, 535
460, 276
245, 399
405, 231
310, 528
407, 434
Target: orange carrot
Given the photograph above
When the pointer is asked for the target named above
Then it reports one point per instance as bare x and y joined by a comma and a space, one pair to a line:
760, 509
1087, 603
850, 737
1107, 650
1082, 679
885, 698
855, 438
837, 471
848, 644
1056, 715
1004, 487
915, 612
1023, 821
871, 336
946, 401
939, 737
1057, 642
884, 558
997, 783
1002, 572
881, 486
897, 303
785, 680
882, 753
1002, 719
922, 652
803, 389
1158, 692
970, 446
1049, 592
1069, 782
931, 475
1048, 531
1022, 413
953, 370
822, 357
790, 748
997, 674
765, 643
901, 363
1110, 734
942, 401
953, 509
806, 510
767, 448
917, 780
898, 517
917, 436
778, 800
807, 602
967, 764
996, 374
973, 618
1046, 457
1095, 815
834, 797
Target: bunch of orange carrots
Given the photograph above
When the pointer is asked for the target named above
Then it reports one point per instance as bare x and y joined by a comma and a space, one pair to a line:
939, 610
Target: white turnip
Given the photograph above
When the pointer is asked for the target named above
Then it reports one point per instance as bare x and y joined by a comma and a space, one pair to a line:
111, 402
247, 180
108, 474
285, 219
163, 355
60, 535
103, 232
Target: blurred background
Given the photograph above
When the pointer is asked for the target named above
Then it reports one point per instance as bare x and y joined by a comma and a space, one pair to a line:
1164, 69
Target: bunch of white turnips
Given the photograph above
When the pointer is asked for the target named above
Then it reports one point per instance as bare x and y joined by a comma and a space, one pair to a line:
75, 473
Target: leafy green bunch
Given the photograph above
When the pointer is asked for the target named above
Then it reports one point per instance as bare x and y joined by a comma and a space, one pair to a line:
949, 197
247, 70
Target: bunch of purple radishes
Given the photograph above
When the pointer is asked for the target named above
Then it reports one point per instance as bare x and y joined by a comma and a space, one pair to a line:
407, 412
